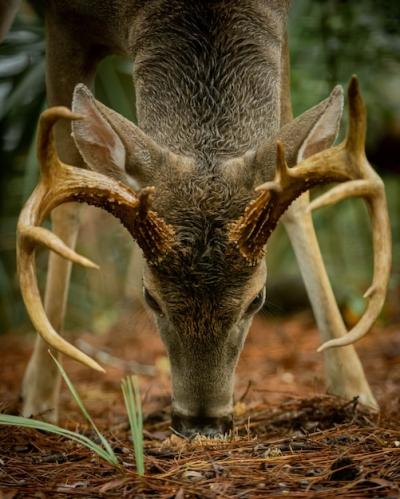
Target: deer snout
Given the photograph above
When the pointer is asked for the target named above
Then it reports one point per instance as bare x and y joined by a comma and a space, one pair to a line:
202, 401
202, 375
190, 426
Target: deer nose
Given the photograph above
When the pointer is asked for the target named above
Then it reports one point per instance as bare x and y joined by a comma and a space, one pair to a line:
189, 426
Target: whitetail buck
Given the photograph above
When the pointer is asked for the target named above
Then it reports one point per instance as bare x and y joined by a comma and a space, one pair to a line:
217, 160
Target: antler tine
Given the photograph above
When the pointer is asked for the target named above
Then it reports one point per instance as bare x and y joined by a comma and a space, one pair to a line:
62, 183
355, 140
46, 148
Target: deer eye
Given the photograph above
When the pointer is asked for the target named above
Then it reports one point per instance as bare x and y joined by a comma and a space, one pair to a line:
257, 303
152, 302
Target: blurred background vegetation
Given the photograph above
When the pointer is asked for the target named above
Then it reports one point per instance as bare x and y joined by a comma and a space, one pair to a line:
329, 41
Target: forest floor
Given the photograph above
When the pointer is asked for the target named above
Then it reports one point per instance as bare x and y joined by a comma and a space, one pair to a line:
290, 438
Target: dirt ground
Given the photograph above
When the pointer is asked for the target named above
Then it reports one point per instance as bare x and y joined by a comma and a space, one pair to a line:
290, 439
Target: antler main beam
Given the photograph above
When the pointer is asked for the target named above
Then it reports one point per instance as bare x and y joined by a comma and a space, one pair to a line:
346, 163
61, 183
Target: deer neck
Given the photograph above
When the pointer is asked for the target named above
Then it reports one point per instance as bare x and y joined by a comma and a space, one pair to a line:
208, 77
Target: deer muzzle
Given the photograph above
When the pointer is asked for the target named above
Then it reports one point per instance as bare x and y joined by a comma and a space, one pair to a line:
190, 426
202, 399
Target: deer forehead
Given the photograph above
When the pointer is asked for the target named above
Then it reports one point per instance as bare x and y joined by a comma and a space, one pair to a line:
201, 198
205, 280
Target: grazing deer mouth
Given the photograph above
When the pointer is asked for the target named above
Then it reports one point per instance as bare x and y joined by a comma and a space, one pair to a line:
190, 426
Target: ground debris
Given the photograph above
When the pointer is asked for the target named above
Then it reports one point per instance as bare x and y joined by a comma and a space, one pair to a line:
351, 458
286, 442
344, 469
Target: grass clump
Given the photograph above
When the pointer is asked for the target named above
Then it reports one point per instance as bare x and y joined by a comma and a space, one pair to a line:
131, 394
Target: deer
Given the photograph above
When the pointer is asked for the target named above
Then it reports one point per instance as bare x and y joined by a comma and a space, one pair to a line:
216, 161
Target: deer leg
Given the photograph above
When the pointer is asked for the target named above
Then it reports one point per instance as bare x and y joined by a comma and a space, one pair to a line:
69, 62
344, 373
134, 281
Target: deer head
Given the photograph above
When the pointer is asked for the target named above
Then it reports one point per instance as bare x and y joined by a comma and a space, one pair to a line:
203, 232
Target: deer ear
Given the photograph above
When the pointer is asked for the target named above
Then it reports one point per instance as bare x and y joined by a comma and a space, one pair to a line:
113, 145
324, 132
99, 145
311, 132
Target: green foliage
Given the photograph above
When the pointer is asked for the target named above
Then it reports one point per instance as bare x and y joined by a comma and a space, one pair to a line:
331, 39
22, 95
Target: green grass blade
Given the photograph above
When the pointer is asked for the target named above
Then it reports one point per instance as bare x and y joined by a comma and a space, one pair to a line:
83, 409
129, 403
130, 390
138, 403
6, 419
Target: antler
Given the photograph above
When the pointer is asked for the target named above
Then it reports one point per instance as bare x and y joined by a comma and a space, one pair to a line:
344, 162
61, 183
